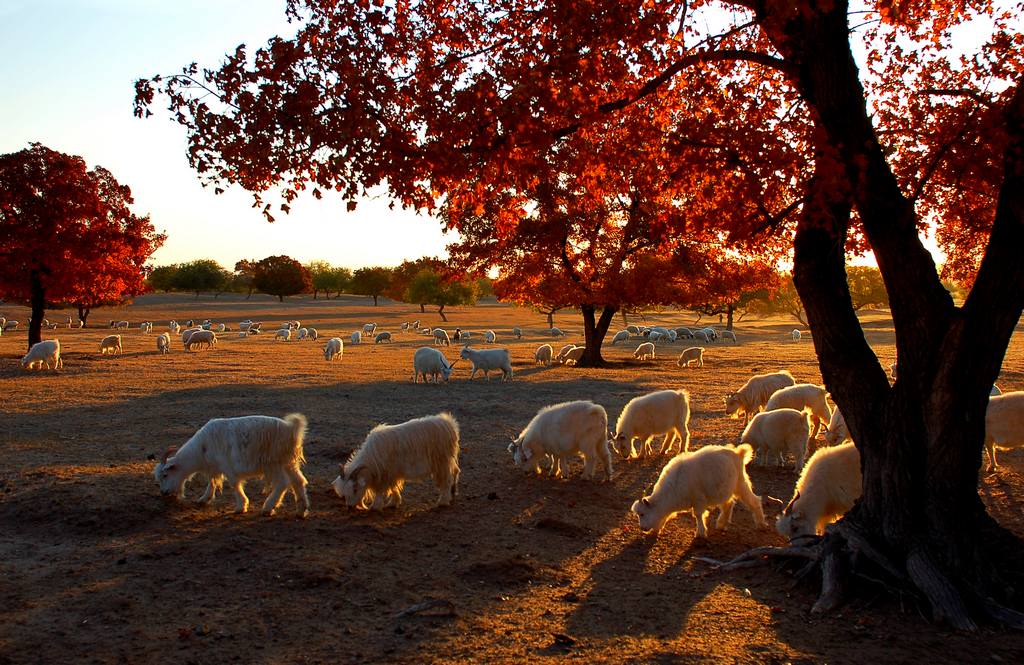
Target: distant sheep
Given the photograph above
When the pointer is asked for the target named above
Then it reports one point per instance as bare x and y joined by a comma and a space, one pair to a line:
301, 333
45, 353
428, 361
517, 333
163, 342
797, 335
633, 330
562, 431
283, 333
110, 344
236, 449
643, 418
334, 350
464, 335
574, 355
563, 352
683, 332
487, 360
357, 337
201, 338
313, 334
405, 325
121, 325
218, 327
729, 334
1004, 424
754, 394
294, 325
712, 476
174, 327
837, 431
393, 454
691, 355
556, 332
543, 354
828, 487
701, 336
11, 325
441, 337
186, 335
489, 337
892, 371
621, 336
803, 396
382, 338
369, 329
778, 432
644, 352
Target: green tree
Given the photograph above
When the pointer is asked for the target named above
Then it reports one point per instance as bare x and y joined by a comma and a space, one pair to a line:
281, 276
162, 278
321, 275
245, 272
372, 282
866, 287
430, 287
199, 276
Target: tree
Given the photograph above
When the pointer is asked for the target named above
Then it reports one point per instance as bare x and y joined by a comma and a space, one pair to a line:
245, 274
371, 282
162, 278
434, 97
783, 299
67, 234
325, 277
201, 275
431, 287
866, 287
341, 279
281, 276
738, 287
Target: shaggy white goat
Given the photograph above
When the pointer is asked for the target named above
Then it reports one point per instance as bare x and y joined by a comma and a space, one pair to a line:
828, 487
313, 334
301, 333
574, 355
429, 361
562, 431
621, 336
441, 337
683, 332
701, 336
803, 396
563, 352
543, 354
1004, 424
644, 352
487, 360
46, 352
489, 337
163, 342
690, 355
382, 337
283, 333
392, 454
334, 349
199, 338
699, 481
837, 431
755, 393
110, 344
778, 432
237, 449
796, 335
662, 412
357, 337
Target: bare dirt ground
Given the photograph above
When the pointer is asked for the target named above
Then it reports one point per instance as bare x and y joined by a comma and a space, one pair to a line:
95, 566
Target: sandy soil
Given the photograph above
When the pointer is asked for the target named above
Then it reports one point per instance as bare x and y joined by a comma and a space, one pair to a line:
95, 566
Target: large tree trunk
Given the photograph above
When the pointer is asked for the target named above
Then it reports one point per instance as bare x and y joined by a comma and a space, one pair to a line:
920, 517
440, 311
374, 301
38, 302
551, 319
594, 331
83, 314
729, 312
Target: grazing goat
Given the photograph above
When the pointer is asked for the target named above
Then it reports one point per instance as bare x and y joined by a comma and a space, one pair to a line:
621, 336
46, 352
755, 393
691, 355
163, 342
562, 431
662, 412
778, 432
803, 396
644, 352
110, 344
828, 487
543, 354
1004, 424
441, 337
334, 350
487, 360
428, 361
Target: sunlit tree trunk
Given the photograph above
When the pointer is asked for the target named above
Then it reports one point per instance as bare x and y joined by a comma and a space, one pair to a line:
594, 331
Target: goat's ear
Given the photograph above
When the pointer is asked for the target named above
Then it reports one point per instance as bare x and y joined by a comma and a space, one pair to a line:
646, 502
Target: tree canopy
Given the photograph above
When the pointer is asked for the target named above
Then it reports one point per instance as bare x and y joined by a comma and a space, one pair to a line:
201, 275
281, 276
371, 281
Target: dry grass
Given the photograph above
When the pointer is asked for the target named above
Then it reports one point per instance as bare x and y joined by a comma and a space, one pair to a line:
96, 567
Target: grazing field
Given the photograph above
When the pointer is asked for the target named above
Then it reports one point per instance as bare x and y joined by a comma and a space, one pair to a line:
96, 566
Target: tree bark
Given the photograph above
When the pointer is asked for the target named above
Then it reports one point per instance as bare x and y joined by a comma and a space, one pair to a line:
314, 294
83, 314
423, 308
38, 302
440, 311
729, 312
594, 331
374, 301
280, 299
551, 319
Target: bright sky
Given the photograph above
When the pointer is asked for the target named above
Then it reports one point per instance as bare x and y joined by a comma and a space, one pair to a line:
66, 78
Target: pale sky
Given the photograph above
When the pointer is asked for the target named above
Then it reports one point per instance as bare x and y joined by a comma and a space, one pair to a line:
66, 81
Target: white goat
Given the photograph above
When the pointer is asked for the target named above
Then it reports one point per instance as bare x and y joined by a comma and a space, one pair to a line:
334, 350
562, 431
517, 333
828, 487
563, 352
803, 396
487, 360
110, 344
574, 355
313, 334
755, 393
644, 352
796, 335
778, 432
46, 352
237, 449
283, 333
662, 412
357, 337
489, 337
837, 431
382, 337
699, 481
1004, 424
621, 336
206, 338
543, 354
392, 454
121, 325
369, 329
301, 333
441, 337
556, 332
163, 342
175, 328
728, 334
428, 361
691, 355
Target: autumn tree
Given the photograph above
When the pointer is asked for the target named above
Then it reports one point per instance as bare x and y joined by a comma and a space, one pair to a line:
432, 287
67, 234
201, 275
245, 274
866, 287
281, 276
430, 97
372, 282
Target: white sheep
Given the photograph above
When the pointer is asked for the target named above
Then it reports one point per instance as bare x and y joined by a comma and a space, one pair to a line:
562, 431
174, 327
690, 355
145, 327
110, 344
301, 333
486, 360
392, 454
429, 361
754, 394
699, 481
416, 324
11, 325
892, 371
369, 329
1004, 424
633, 330
294, 325
837, 431
643, 418
543, 354
796, 335
46, 352
357, 338
463, 335
254, 328
803, 396
187, 335
163, 342
441, 337
283, 333
216, 327
644, 352
654, 336
556, 332
313, 334
778, 432
574, 355
206, 338
621, 336
517, 333
701, 336
489, 337
334, 350
405, 325
121, 325
728, 334
683, 332
236, 449
382, 337
563, 352
828, 487
711, 333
